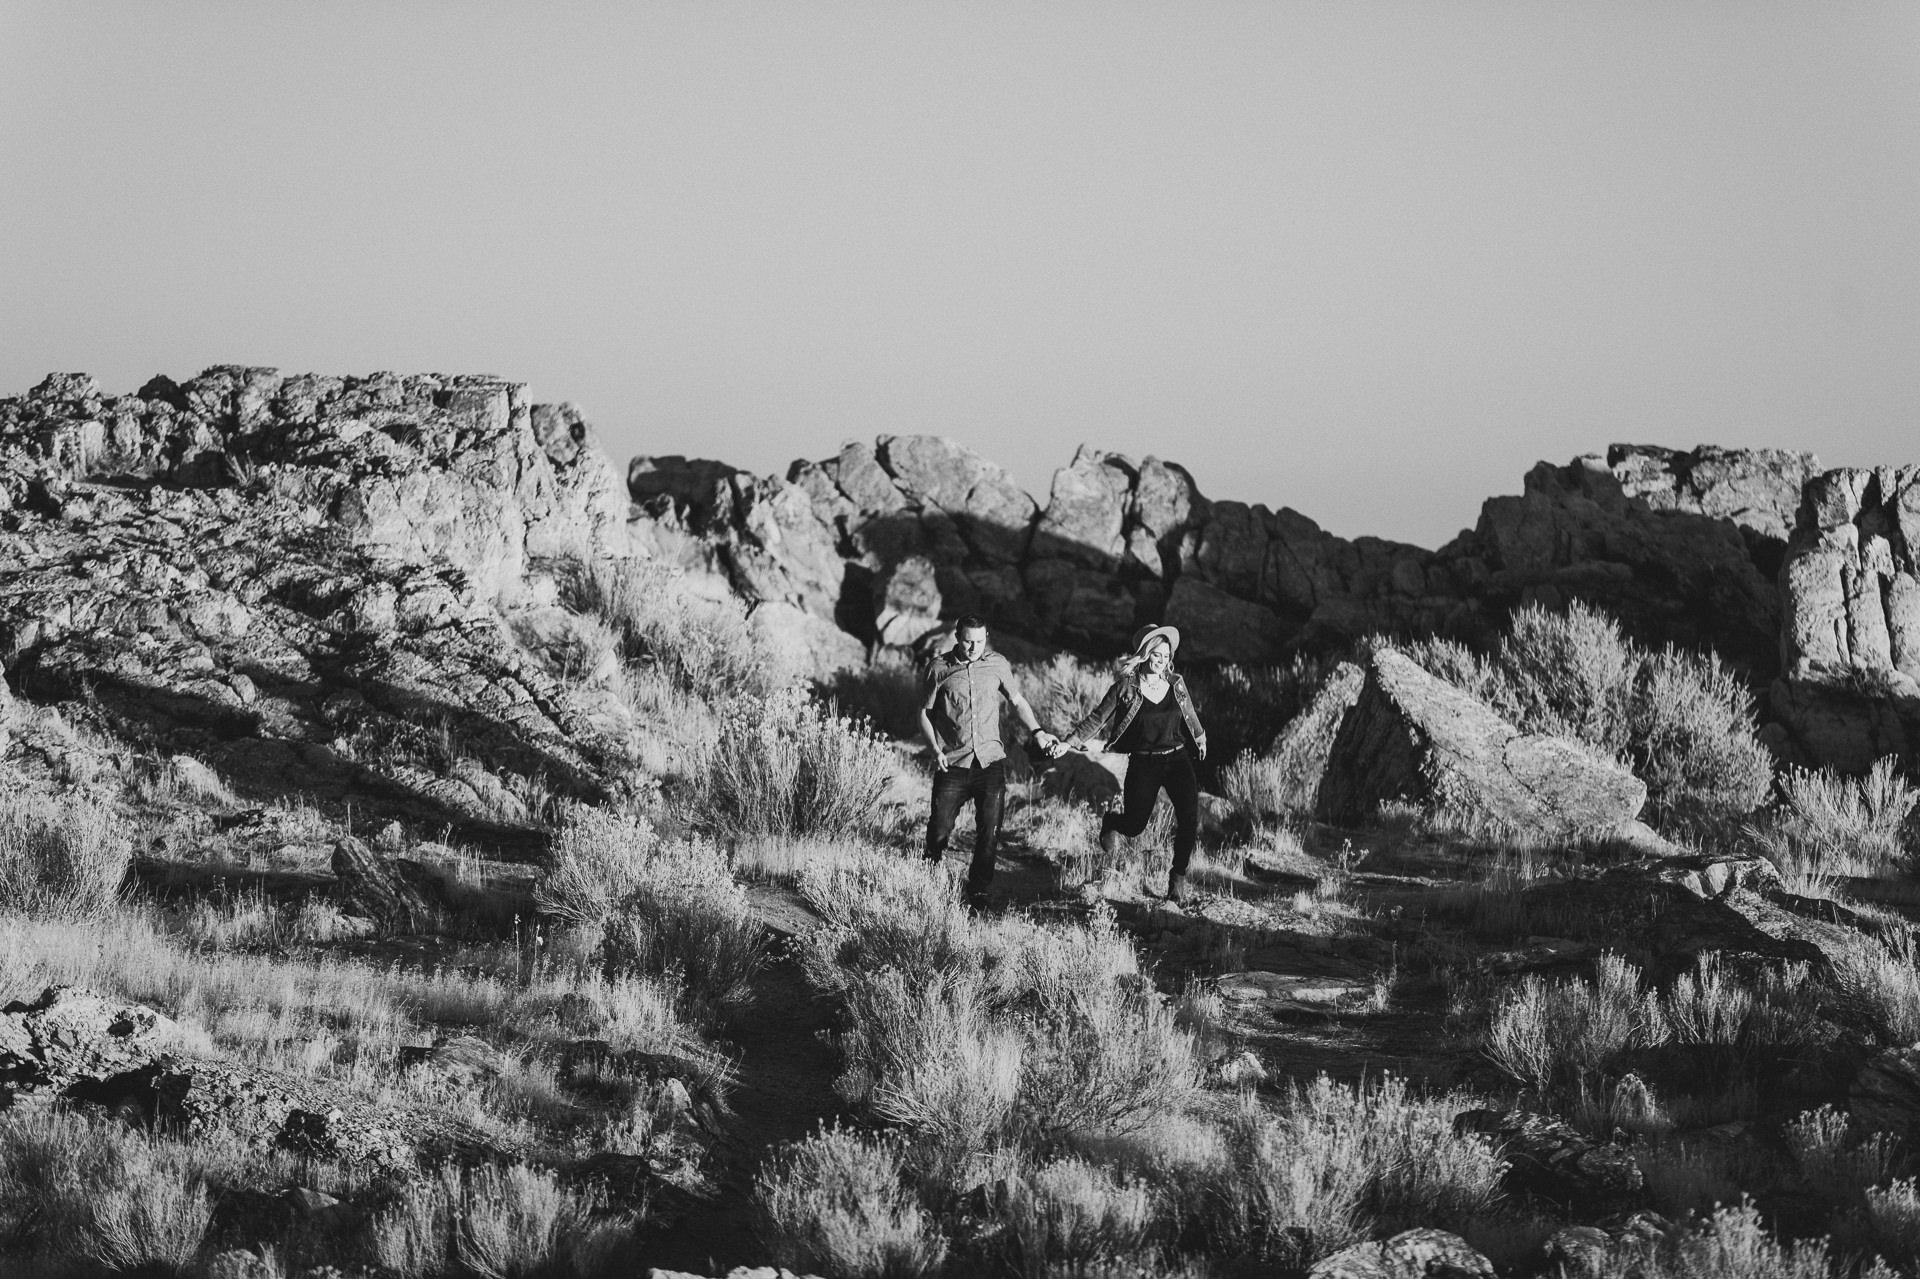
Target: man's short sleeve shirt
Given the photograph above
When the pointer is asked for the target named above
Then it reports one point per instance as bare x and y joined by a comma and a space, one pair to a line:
963, 700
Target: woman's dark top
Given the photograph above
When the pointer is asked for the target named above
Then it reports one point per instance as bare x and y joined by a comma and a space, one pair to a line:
1156, 729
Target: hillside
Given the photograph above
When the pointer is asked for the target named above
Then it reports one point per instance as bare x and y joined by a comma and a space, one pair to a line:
424, 853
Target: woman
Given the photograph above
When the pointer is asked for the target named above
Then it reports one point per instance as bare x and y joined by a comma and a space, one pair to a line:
1148, 714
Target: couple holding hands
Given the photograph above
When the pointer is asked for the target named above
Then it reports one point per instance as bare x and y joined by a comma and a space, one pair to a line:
1147, 714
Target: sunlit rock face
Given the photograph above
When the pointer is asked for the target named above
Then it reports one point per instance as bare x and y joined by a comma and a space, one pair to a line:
1849, 689
304, 579
894, 539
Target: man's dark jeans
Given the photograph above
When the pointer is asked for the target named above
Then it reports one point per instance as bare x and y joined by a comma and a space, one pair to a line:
954, 785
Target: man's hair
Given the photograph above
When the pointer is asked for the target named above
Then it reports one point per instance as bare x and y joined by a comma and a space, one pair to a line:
971, 622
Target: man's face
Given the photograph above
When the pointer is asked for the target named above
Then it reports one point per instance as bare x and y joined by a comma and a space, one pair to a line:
973, 642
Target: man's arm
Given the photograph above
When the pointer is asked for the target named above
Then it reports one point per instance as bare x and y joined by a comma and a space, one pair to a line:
927, 730
1025, 713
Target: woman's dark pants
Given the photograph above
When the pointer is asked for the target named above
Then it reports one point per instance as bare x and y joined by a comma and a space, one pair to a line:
1147, 776
986, 786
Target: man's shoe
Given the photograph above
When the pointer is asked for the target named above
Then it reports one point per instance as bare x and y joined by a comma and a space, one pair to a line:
1176, 888
975, 902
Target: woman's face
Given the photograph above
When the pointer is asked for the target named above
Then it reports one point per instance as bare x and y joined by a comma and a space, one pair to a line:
1159, 658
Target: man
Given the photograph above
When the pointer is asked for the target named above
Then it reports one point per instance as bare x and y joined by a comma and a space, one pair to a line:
960, 719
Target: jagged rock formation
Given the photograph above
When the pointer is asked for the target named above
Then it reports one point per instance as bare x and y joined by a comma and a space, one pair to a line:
302, 580
1412, 737
1849, 689
290, 544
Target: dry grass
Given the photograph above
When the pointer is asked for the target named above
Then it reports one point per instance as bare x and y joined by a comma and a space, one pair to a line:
1826, 825
838, 1203
1337, 1163
1057, 1011
787, 766
63, 860
96, 1192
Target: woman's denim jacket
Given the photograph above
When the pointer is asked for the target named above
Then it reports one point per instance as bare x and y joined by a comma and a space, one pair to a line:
1122, 703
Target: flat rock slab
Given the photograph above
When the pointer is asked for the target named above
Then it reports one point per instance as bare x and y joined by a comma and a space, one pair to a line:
1412, 737
1290, 991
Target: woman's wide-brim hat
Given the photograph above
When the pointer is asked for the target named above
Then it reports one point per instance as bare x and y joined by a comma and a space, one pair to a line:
1148, 634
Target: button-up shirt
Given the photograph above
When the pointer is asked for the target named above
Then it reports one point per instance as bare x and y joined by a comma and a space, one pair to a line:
963, 700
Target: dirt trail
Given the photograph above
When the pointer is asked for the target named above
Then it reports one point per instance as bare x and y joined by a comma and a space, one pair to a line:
783, 1091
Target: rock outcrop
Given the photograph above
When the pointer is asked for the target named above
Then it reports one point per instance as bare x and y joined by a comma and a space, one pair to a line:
1849, 688
302, 580
1414, 738
885, 537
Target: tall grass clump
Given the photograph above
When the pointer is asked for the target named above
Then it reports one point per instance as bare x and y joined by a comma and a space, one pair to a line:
663, 908
978, 1032
511, 1222
786, 765
1566, 1034
839, 1204
60, 860
1826, 824
690, 921
1681, 720
1548, 1032
1337, 1163
886, 693
98, 1193
705, 643
1071, 1217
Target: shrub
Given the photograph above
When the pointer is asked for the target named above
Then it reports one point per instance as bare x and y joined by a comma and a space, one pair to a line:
1568, 673
101, 1193
1071, 1217
1691, 737
64, 860
599, 859
1827, 824
690, 921
885, 693
1098, 1049
837, 1204
1833, 1159
1682, 720
788, 766
1548, 1032
1878, 982
493, 1222
1339, 1162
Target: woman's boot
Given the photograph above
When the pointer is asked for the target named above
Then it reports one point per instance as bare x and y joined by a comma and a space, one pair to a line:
1176, 888
1109, 843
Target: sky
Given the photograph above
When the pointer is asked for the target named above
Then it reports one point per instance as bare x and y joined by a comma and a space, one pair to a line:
1367, 260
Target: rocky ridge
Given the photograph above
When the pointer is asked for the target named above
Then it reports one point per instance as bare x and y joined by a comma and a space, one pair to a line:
303, 580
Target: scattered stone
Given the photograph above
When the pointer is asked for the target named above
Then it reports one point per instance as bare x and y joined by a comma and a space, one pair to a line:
1412, 737
1411, 1254
1550, 1158
1278, 991
1242, 1070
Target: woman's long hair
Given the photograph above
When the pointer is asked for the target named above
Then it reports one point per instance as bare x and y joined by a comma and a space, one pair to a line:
1131, 664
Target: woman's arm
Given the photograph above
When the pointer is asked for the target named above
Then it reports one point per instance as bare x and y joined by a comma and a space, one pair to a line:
1096, 719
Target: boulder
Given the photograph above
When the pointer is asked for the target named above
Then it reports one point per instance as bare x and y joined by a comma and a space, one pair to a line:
1217, 625
1412, 1254
1414, 738
1298, 758
69, 1041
